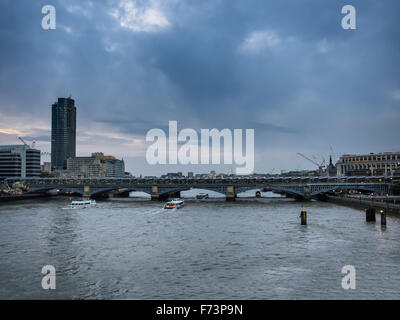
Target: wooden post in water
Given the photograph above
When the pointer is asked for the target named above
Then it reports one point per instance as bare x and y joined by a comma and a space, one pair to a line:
370, 215
383, 217
303, 216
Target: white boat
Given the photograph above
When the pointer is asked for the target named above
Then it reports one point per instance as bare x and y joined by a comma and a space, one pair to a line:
174, 204
80, 204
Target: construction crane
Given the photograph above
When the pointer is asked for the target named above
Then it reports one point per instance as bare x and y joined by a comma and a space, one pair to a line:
322, 164
32, 145
307, 158
319, 165
23, 141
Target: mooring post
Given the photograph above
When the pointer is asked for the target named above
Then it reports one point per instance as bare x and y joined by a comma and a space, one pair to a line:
303, 216
383, 217
370, 215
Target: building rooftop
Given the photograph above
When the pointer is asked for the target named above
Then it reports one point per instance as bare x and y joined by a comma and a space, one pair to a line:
17, 146
369, 154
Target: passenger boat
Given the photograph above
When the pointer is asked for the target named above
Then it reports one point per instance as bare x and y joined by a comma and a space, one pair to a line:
174, 204
202, 196
80, 204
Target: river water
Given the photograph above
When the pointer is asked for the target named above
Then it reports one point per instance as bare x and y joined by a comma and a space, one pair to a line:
250, 249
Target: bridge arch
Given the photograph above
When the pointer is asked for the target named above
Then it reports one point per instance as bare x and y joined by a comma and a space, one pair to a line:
44, 189
98, 191
74, 190
216, 190
181, 189
165, 191
289, 190
242, 190
326, 189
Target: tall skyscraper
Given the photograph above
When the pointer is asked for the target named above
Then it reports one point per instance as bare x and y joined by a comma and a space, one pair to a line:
63, 132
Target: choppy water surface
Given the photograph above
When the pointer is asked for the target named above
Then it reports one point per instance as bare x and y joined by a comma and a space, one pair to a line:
250, 249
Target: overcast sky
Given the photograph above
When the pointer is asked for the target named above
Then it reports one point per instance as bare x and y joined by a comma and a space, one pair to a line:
285, 68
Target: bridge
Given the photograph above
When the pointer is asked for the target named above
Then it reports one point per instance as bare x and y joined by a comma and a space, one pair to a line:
301, 188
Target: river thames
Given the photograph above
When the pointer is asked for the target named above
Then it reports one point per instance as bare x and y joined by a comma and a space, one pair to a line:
211, 249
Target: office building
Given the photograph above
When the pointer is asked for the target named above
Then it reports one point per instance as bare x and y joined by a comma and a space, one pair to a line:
172, 175
96, 166
114, 168
385, 163
19, 161
63, 132
45, 167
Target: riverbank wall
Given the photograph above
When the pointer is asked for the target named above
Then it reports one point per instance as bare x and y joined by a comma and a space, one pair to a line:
364, 204
6, 198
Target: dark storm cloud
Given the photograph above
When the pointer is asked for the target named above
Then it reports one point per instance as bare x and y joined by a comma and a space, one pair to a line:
137, 128
285, 68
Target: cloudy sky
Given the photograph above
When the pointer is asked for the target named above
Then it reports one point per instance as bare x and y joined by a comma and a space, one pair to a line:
285, 68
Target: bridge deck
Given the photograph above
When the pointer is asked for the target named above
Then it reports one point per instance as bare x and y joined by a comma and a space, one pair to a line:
304, 187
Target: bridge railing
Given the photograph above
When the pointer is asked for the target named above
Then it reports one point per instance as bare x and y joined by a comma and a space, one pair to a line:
243, 180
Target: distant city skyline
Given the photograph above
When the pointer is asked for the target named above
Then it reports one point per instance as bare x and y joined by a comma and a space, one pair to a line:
285, 68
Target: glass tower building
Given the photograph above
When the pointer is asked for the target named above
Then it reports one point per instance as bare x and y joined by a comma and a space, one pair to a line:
63, 132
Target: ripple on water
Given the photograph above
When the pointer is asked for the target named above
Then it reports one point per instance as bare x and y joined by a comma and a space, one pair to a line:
209, 249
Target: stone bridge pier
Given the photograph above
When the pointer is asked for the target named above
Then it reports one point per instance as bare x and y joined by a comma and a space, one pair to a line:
154, 193
230, 193
86, 192
157, 196
89, 192
306, 193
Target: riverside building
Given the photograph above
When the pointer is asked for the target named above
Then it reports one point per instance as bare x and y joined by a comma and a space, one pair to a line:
96, 166
19, 161
386, 163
